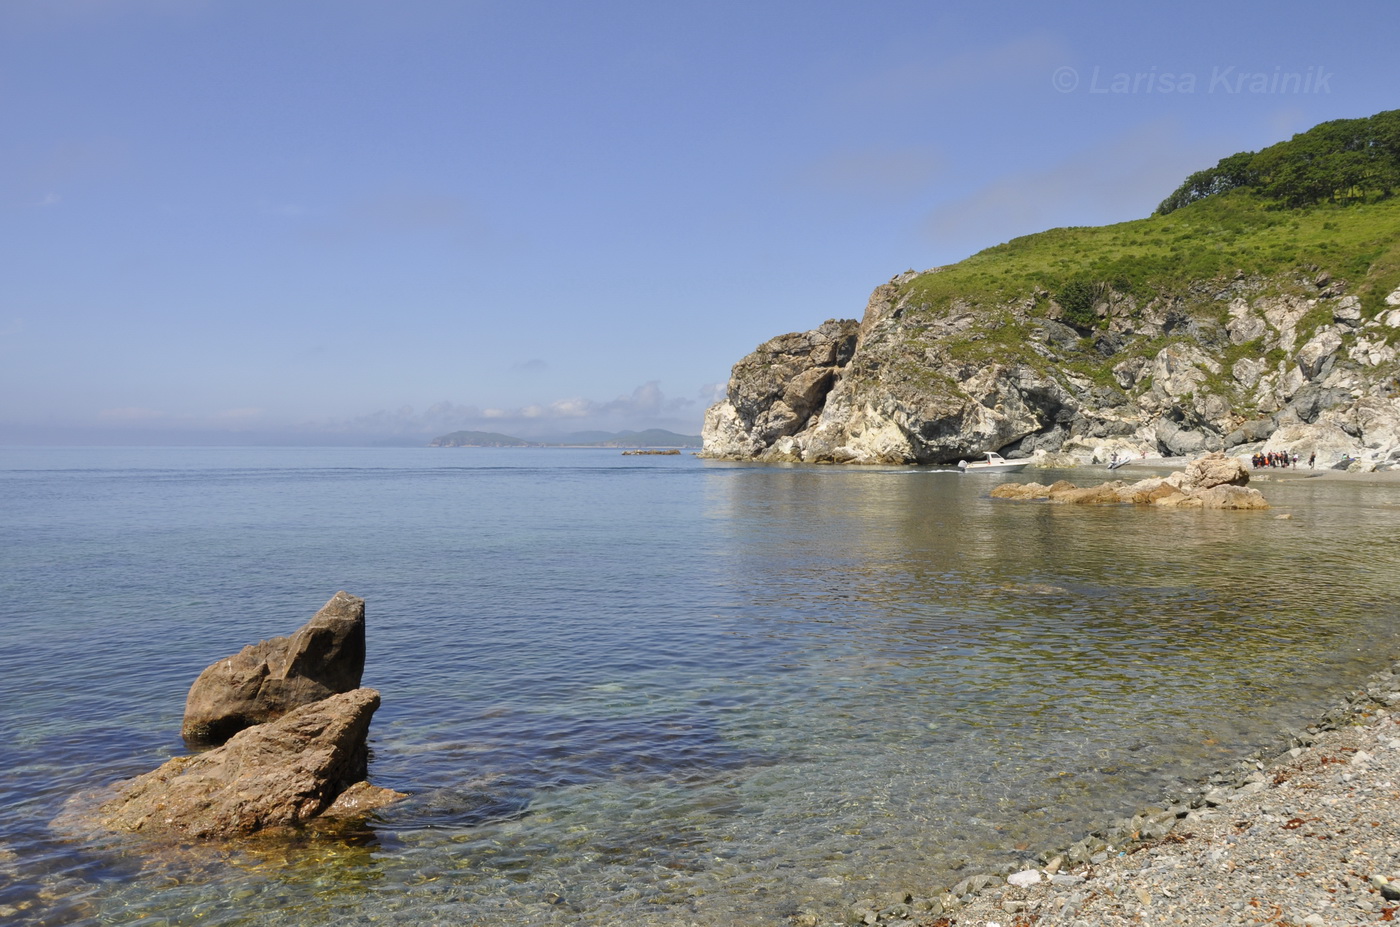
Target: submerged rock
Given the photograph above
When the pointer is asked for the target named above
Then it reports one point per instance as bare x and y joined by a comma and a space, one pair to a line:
309, 763
264, 681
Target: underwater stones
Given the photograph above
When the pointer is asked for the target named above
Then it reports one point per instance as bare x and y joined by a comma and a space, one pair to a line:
310, 762
264, 681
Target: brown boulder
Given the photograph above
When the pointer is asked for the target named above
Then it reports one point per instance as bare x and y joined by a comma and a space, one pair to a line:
264, 681
1214, 470
280, 774
1231, 497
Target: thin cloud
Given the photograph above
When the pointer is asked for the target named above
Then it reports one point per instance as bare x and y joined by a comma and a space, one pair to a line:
876, 172
712, 393
137, 414
646, 406
88, 14
239, 416
1119, 180
397, 213
924, 79
285, 210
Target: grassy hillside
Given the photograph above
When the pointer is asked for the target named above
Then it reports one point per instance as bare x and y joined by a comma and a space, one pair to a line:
1253, 224
1205, 240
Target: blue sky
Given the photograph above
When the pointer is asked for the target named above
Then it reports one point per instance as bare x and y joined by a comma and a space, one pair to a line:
232, 221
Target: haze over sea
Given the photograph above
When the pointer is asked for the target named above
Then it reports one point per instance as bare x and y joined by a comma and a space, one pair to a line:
653, 690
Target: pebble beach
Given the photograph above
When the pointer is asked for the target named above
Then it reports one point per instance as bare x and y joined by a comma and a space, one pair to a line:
1306, 835
1309, 838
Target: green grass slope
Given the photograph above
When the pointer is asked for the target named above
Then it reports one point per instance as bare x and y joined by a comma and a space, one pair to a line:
1213, 233
1344, 222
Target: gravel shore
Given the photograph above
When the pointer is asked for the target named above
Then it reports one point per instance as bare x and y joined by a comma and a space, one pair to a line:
1307, 838
1155, 465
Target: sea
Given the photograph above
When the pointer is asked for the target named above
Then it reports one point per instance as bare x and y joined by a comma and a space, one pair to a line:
653, 690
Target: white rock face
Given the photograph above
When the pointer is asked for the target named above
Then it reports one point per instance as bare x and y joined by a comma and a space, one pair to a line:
1283, 314
1313, 355
1216, 367
1244, 325
1371, 352
1348, 311
1248, 370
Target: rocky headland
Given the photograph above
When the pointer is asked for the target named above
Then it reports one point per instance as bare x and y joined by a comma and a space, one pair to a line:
909, 383
1244, 316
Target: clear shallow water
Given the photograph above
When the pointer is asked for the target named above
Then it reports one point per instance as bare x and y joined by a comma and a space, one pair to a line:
652, 689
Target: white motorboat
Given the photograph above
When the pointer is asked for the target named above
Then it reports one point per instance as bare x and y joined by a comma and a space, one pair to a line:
995, 463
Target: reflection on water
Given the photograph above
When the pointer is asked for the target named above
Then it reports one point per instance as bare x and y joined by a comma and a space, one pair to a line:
668, 692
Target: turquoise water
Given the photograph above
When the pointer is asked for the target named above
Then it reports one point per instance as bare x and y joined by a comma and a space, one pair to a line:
652, 689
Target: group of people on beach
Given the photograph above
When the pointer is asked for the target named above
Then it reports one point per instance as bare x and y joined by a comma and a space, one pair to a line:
1279, 459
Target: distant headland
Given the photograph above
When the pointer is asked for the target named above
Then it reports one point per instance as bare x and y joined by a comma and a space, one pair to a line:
652, 437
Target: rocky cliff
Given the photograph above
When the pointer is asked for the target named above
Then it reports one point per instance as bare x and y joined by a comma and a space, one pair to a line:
1248, 313
1297, 364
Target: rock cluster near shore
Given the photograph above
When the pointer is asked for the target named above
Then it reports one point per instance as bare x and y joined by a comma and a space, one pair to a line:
1212, 482
295, 723
1303, 838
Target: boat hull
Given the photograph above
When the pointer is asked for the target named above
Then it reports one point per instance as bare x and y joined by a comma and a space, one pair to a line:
993, 468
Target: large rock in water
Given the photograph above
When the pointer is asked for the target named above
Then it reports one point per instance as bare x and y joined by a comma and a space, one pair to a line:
311, 762
264, 681
1215, 469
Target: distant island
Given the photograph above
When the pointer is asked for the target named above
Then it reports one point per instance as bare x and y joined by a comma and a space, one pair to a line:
652, 437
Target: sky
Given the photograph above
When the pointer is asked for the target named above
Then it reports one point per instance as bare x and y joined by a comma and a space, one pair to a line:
346, 222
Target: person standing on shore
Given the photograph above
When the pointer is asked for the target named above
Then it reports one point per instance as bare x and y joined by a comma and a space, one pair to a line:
1312, 459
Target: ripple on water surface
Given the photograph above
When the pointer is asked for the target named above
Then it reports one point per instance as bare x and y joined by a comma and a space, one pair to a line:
652, 689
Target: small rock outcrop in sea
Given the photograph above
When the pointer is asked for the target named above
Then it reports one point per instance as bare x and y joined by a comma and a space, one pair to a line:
1212, 482
264, 681
310, 763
